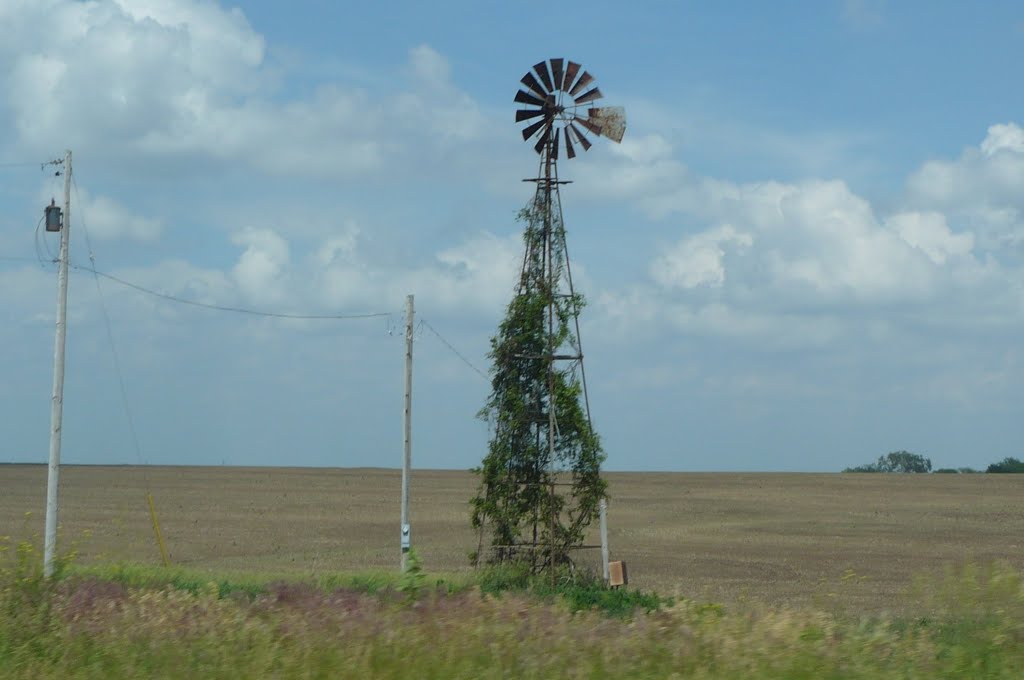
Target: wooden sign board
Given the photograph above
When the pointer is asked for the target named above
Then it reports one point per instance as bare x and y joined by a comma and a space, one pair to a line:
617, 575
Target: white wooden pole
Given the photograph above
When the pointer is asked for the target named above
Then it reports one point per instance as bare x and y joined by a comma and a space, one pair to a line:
407, 428
57, 404
604, 538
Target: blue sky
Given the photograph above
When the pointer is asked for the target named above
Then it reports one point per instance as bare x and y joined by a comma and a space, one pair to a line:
807, 252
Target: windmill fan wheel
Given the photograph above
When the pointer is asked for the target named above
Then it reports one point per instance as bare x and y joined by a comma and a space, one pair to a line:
557, 98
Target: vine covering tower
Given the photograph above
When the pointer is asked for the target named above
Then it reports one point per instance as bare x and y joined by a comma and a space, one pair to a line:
540, 481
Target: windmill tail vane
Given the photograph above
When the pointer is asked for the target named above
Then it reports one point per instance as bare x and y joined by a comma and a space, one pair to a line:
559, 94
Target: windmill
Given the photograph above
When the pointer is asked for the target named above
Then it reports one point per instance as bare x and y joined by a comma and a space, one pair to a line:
543, 435
559, 97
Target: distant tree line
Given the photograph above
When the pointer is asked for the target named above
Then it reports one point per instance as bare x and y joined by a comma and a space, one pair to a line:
1007, 465
906, 462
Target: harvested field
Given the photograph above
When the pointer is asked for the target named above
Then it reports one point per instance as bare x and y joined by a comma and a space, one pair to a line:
849, 542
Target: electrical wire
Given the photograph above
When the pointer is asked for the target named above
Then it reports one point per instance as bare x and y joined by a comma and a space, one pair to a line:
39, 250
226, 308
454, 351
51, 257
6, 258
195, 303
110, 339
389, 326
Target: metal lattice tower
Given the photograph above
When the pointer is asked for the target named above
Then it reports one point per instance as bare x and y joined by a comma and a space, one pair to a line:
558, 105
560, 91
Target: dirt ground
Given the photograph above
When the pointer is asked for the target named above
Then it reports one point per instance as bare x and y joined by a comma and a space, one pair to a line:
844, 541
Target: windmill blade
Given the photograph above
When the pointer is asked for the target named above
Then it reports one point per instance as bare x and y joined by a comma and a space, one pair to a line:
589, 96
543, 139
570, 75
611, 120
584, 80
580, 138
542, 70
526, 114
548, 116
556, 72
527, 98
593, 127
532, 83
530, 130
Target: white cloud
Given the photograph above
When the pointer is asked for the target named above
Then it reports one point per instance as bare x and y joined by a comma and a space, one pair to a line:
477, 274
481, 271
814, 238
1003, 136
178, 278
429, 66
980, 189
261, 270
107, 219
809, 263
187, 79
112, 72
338, 248
929, 233
697, 260
336, 277
435, 108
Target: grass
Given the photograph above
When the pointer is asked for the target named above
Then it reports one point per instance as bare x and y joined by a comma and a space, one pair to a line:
576, 593
139, 621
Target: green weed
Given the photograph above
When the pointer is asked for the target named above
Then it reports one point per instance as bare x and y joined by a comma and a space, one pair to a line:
131, 621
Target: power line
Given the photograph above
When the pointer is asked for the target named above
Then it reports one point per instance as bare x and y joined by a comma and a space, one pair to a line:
454, 351
32, 164
110, 338
6, 258
205, 305
227, 308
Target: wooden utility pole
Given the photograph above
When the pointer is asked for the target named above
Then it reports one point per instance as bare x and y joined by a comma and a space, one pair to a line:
57, 404
603, 506
407, 426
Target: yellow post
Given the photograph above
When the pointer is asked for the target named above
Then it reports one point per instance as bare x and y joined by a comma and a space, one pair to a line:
156, 531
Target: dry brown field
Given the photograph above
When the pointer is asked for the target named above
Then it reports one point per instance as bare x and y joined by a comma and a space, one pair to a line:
852, 542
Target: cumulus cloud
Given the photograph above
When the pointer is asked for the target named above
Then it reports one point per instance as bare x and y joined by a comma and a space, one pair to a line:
119, 70
270, 273
261, 270
929, 233
1003, 137
813, 239
981, 188
804, 264
481, 271
107, 219
477, 274
188, 79
435, 107
697, 260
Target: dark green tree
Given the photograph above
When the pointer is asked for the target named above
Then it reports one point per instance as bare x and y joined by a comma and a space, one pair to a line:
1006, 465
541, 429
897, 461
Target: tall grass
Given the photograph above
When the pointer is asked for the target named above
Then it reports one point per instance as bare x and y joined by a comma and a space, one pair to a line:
129, 624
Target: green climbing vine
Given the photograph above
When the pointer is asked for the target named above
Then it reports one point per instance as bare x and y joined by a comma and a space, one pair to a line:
537, 496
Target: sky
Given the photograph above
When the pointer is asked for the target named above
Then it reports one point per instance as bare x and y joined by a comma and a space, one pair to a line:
807, 252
